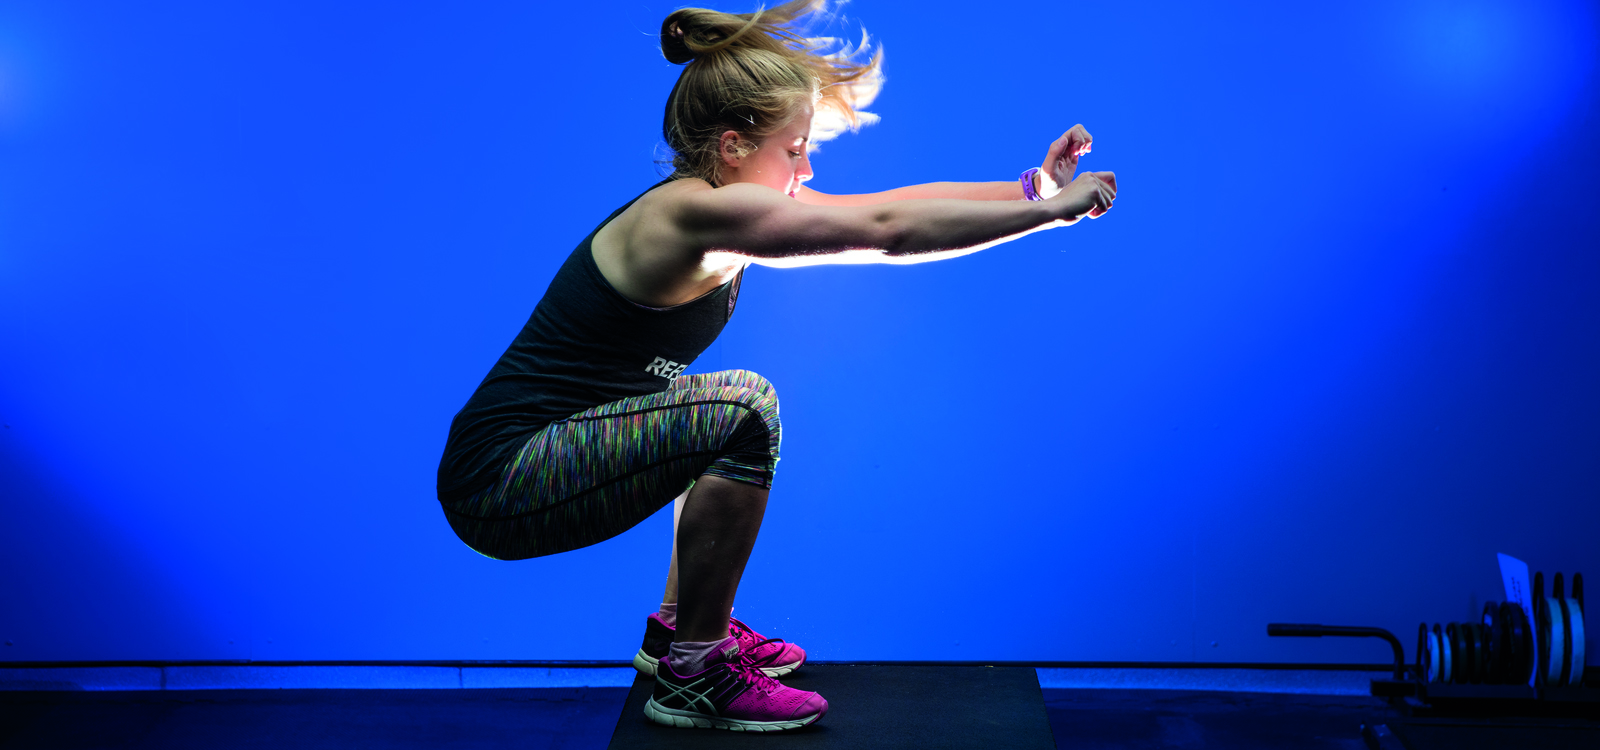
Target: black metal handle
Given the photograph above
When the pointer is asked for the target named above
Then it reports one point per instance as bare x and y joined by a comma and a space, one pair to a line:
1307, 630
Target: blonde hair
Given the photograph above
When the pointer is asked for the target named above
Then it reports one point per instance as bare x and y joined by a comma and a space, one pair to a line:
747, 73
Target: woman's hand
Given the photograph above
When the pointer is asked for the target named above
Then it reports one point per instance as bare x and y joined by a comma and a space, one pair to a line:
1061, 161
1091, 195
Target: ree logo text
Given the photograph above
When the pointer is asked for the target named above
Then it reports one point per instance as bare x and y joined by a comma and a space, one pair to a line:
665, 368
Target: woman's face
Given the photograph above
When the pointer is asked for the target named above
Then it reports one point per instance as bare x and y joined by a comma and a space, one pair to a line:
781, 162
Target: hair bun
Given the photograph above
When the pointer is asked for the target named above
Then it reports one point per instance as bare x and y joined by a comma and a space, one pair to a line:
673, 46
684, 35
688, 34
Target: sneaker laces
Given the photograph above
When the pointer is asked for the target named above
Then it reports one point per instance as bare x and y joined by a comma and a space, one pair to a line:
749, 640
749, 669
742, 631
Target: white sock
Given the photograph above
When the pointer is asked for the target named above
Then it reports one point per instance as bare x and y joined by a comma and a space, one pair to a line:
691, 658
669, 614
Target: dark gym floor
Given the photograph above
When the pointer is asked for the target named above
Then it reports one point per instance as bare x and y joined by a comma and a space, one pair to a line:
876, 707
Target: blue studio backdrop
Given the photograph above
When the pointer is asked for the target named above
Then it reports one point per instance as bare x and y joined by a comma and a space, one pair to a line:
1337, 345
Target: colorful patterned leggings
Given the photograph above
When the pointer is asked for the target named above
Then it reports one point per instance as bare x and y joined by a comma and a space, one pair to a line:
597, 473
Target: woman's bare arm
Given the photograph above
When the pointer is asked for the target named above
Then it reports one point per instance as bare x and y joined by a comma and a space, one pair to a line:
972, 191
1060, 164
764, 226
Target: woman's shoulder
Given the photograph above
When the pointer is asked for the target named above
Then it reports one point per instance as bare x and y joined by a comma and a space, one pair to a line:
662, 202
691, 201
674, 192
686, 190
645, 254
681, 214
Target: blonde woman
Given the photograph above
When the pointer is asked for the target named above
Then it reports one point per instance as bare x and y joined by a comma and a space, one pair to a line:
587, 424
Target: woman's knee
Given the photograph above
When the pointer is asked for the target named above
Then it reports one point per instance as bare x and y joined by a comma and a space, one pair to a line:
762, 418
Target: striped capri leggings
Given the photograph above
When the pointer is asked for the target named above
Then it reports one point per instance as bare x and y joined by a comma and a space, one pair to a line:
597, 473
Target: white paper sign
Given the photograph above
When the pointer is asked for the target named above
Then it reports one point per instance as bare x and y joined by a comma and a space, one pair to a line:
1519, 590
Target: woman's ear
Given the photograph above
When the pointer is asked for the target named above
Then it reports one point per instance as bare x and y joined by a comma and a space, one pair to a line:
732, 148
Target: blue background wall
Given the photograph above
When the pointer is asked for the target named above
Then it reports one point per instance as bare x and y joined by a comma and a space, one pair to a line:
1337, 345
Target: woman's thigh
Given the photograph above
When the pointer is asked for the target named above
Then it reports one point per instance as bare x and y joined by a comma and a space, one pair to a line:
596, 474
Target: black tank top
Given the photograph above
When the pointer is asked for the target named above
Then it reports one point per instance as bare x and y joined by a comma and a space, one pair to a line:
584, 345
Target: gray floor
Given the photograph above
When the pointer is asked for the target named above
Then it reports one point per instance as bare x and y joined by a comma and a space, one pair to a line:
870, 710
882, 708
454, 719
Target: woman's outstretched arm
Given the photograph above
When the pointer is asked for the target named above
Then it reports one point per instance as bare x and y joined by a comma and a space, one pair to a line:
1060, 163
761, 225
971, 191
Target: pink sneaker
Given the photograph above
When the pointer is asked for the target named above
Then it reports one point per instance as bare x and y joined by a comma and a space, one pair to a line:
774, 657
730, 693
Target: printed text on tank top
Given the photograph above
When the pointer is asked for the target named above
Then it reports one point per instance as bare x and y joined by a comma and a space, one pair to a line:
661, 366
666, 368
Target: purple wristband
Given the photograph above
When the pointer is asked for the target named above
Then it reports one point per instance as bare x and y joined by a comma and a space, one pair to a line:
1027, 185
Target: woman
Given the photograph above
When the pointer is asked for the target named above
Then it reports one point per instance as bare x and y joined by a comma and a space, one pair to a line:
587, 424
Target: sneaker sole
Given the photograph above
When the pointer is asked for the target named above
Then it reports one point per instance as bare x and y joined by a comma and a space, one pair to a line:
646, 665
690, 720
